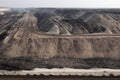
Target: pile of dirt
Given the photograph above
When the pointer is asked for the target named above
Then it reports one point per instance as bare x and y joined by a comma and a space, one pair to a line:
57, 38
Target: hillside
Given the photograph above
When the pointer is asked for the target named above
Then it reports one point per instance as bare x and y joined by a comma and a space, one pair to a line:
48, 38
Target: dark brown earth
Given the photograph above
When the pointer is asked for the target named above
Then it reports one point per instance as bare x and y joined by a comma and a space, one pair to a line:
56, 78
57, 38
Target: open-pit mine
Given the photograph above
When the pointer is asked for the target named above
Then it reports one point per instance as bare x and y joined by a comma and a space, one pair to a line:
59, 38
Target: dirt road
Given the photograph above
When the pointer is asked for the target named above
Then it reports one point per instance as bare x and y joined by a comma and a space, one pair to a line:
26, 27
56, 78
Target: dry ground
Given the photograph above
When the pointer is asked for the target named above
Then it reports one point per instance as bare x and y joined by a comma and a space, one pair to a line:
56, 78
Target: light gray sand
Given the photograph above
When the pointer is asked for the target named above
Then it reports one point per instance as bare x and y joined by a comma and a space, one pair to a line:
64, 72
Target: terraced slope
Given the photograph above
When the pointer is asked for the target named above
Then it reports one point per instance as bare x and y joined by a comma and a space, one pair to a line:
57, 38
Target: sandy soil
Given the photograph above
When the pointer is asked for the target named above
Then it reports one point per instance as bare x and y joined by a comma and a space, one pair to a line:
65, 72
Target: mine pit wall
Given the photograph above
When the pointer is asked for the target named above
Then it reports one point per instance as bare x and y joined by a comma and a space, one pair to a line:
107, 47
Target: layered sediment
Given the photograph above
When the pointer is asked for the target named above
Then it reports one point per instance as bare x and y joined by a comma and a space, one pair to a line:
37, 38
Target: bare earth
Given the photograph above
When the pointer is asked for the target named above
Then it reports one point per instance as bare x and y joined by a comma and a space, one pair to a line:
59, 38
64, 72
56, 78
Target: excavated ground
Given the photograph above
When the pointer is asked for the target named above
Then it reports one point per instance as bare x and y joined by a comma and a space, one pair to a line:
57, 39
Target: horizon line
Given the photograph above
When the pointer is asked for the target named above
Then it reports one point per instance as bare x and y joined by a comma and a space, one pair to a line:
65, 7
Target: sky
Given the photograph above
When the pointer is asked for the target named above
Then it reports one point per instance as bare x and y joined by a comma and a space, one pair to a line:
61, 3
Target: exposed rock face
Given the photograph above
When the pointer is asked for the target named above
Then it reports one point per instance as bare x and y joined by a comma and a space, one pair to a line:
48, 38
79, 21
